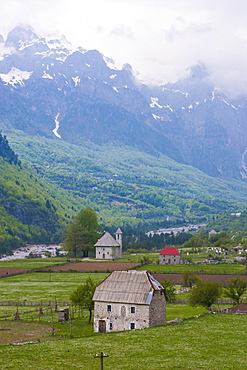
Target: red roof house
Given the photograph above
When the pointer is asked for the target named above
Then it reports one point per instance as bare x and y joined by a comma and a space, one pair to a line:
169, 256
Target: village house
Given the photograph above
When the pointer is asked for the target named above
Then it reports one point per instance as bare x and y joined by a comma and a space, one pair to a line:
212, 233
109, 248
169, 256
128, 300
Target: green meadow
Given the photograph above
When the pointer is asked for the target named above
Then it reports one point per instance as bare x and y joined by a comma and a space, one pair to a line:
222, 268
32, 263
44, 286
212, 341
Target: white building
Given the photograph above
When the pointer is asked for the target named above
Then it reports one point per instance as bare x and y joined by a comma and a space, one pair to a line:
109, 248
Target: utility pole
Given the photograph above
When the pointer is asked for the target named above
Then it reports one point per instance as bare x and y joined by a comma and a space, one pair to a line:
101, 357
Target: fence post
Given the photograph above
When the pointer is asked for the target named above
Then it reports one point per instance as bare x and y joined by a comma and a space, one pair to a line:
70, 321
52, 321
17, 317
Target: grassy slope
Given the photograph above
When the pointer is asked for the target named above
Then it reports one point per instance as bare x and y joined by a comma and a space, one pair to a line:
208, 342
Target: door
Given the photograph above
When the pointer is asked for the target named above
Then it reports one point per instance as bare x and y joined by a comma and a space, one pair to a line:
102, 326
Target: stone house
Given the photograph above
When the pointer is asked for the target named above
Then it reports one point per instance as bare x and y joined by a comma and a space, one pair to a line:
128, 300
169, 256
109, 248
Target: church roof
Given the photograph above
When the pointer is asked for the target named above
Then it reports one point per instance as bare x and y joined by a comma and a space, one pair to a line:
135, 287
169, 251
107, 241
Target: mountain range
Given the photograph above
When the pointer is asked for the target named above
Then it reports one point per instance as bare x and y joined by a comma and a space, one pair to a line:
89, 126
50, 88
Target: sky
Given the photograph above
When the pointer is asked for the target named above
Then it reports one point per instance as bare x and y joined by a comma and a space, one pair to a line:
160, 39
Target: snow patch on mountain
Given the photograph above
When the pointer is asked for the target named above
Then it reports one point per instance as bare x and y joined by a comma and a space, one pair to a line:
15, 76
46, 75
76, 80
5, 51
155, 103
158, 117
57, 123
230, 105
176, 91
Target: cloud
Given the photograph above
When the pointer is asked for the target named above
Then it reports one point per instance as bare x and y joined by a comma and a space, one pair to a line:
161, 39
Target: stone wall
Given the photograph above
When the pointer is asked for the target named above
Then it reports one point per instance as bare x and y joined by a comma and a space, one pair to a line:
121, 317
169, 260
157, 310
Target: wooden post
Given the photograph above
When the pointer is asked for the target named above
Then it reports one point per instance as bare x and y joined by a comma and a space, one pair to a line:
101, 357
17, 317
70, 322
52, 321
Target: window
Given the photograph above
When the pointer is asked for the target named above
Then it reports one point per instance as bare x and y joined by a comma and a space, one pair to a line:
108, 308
110, 325
132, 326
132, 309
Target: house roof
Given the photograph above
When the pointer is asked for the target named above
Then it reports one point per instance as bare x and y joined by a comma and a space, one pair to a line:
119, 231
107, 241
169, 251
240, 309
135, 287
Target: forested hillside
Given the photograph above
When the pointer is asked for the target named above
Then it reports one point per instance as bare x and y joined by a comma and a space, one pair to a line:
30, 210
128, 187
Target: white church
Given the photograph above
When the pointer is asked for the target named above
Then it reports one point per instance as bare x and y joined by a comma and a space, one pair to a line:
109, 248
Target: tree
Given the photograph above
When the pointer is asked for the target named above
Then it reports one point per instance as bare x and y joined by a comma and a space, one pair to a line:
83, 233
235, 289
204, 294
189, 278
169, 290
74, 238
83, 296
88, 220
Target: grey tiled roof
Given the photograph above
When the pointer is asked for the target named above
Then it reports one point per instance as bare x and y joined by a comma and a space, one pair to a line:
135, 287
107, 241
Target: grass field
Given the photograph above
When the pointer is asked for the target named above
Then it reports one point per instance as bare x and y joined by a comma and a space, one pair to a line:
222, 268
45, 286
212, 342
32, 263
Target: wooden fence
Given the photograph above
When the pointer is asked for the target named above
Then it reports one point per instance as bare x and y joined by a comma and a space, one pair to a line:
35, 303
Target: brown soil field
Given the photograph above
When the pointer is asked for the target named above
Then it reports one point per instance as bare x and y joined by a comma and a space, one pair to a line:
5, 272
95, 266
18, 332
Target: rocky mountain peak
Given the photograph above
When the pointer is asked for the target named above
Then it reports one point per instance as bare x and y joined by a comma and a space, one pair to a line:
21, 36
198, 72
